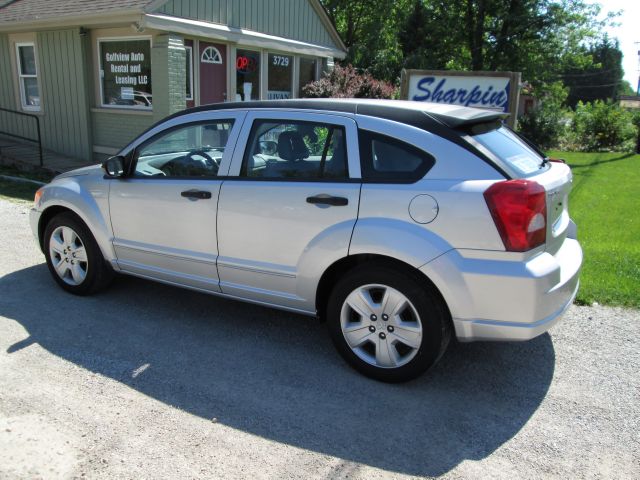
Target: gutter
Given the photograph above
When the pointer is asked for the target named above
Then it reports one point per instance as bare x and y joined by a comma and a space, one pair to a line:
237, 35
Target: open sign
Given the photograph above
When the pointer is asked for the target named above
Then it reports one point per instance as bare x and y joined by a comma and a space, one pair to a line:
245, 64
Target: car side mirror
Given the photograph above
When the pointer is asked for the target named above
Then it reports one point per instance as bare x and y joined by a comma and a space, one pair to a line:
114, 166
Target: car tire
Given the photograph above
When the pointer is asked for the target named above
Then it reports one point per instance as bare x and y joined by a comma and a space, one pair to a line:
408, 326
73, 256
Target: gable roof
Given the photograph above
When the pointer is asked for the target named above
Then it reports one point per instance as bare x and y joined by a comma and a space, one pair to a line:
33, 10
18, 13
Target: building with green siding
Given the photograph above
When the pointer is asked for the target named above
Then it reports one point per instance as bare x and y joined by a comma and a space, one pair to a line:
97, 73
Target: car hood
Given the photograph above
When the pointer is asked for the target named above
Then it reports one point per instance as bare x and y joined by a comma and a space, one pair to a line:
91, 169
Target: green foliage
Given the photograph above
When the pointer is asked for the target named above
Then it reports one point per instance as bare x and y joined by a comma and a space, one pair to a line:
536, 37
626, 88
546, 124
599, 78
347, 82
603, 126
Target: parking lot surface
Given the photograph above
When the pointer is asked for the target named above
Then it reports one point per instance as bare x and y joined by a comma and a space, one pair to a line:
150, 381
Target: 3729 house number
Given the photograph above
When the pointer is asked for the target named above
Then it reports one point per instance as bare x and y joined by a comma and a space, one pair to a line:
280, 61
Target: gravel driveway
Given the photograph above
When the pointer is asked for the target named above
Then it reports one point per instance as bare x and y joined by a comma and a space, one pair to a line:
149, 381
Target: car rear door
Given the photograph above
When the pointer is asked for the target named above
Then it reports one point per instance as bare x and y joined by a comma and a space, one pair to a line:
288, 206
164, 214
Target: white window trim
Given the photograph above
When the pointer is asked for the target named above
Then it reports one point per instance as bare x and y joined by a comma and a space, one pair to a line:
216, 57
190, 48
30, 108
100, 82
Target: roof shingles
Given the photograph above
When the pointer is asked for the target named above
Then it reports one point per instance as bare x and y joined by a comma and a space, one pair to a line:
32, 10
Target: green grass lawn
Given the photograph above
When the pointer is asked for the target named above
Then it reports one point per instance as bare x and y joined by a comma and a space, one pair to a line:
605, 203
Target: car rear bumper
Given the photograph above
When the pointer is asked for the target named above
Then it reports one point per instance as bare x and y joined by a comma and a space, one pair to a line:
504, 299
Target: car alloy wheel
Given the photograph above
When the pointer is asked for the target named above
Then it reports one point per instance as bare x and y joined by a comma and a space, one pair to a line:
381, 326
68, 255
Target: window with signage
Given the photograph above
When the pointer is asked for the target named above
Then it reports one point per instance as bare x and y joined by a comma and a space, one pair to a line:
125, 73
28, 76
189, 72
247, 75
308, 68
280, 76
295, 150
195, 150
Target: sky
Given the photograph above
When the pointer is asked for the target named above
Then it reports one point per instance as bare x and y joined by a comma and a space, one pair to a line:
627, 33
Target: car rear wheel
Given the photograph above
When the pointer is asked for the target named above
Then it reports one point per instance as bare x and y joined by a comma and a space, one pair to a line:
73, 256
388, 323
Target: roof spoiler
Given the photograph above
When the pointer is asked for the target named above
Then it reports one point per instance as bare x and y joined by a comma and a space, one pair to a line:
465, 116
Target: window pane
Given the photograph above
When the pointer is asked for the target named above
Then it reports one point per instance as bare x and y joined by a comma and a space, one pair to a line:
280, 74
307, 72
189, 72
387, 159
27, 60
301, 150
247, 75
30, 92
193, 151
126, 73
510, 149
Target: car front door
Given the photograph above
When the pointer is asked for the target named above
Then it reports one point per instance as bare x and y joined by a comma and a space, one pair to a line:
163, 214
288, 207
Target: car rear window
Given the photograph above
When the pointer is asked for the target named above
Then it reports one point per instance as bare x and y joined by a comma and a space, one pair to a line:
508, 147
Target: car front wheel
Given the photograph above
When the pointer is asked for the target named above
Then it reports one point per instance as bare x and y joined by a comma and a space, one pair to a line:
388, 323
73, 256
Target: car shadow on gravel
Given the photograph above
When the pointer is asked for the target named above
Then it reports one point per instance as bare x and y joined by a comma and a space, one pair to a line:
276, 374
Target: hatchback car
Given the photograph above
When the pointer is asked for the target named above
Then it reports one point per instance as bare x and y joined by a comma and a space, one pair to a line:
399, 223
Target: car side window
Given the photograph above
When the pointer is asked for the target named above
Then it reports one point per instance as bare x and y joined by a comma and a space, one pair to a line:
295, 150
386, 159
193, 150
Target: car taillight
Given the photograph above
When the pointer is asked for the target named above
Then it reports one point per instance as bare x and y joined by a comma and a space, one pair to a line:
519, 210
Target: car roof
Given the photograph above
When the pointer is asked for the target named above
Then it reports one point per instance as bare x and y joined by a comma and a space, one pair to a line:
424, 115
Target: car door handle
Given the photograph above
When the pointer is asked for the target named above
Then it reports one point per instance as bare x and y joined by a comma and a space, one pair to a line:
199, 194
328, 200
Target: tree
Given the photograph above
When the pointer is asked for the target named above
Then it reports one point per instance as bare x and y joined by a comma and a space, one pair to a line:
532, 36
369, 30
601, 79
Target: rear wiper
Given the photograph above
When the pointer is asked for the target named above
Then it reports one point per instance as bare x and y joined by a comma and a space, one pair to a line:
545, 160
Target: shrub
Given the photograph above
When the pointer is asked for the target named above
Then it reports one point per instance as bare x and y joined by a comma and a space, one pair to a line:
545, 125
603, 126
346, 82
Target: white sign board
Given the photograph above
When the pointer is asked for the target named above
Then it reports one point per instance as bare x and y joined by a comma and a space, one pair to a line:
491, 90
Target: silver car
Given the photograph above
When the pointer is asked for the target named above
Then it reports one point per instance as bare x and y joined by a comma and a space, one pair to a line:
399, 223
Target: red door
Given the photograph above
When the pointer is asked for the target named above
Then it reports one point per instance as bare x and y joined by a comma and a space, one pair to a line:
213, 73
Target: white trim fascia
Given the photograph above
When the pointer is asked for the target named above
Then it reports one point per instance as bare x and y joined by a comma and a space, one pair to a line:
243, 37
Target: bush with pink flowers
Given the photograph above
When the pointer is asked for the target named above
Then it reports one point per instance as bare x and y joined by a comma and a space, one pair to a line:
346, 82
